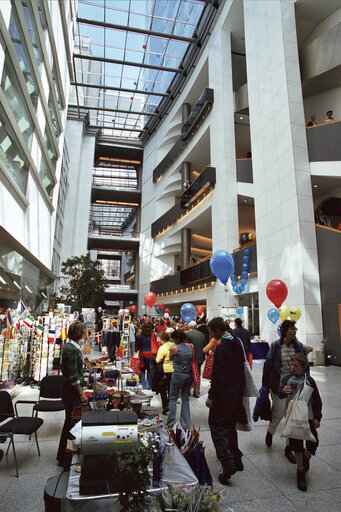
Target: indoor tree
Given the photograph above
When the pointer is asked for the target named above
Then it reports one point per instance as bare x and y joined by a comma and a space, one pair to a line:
85, 282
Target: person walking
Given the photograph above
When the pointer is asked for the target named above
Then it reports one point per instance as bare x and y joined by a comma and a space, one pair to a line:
276, 367
243, 334
225, 398
162, 360
290, 385
181, 355
147, 354
72, 388
198, 341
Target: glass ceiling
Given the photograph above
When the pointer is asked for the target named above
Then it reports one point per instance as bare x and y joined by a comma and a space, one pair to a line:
126, 55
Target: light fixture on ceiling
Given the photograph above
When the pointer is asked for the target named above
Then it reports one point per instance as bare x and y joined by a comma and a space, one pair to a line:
315, 186
2, 280
241, 117
43, 294
16, 284
245, 200
28, 289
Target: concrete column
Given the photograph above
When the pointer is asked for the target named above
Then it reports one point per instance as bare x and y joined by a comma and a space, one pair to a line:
286, 238
186, 173
185, 111
185, 247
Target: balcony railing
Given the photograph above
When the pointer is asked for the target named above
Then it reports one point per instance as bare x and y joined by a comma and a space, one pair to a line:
192, 124
324, 142
239, 253
195, 193
244, 170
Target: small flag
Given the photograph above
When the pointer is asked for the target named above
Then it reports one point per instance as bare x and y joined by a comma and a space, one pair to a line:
51, 336
120, 350
9, 318
39, 330
98, 337
21, 307
63, 333
28, 321
17, 324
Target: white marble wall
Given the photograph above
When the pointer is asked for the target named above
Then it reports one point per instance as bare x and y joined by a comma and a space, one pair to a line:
286, 240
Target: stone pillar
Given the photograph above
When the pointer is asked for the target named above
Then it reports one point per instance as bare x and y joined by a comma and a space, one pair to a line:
286, 238
185, 247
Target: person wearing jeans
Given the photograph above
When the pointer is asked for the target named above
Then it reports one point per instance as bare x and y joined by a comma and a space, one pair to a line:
147, 354
181, 355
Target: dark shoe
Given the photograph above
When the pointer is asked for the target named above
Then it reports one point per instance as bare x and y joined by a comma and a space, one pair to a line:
226, 474
1, 454
166, 410
301, 483
289, 455
306, 463
268, 439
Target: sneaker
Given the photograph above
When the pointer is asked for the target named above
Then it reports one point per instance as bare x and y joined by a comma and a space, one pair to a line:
268, 439
301, 483
289, 455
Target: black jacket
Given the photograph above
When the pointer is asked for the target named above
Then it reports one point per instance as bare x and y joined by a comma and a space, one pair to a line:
244, 335
228, 369
315, 397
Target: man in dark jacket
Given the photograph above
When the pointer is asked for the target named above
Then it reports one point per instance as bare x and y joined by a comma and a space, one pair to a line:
243, 334
276, 367
225, 398
198, 341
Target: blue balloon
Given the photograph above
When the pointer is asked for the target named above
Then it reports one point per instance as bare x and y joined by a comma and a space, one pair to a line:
243, 281
273, 315
235, 289
241, 287
158, 310
245, 274
245, 266
246, 258
234, 283
279, 330
244, 237
247, 252
240, 310
188, 312
222, 265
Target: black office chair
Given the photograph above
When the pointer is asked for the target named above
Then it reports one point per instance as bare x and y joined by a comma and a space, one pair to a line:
16, 424
50, 395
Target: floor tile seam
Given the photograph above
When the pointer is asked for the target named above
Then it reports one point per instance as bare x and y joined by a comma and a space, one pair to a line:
269, 480
234, 502
327, 462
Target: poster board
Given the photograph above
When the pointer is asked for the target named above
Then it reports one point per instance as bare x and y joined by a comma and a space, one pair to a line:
229, 314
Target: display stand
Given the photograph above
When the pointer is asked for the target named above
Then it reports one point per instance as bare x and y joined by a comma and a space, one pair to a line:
126, 325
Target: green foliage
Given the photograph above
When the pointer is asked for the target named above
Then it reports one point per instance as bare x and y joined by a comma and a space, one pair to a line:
85, 282
199, 499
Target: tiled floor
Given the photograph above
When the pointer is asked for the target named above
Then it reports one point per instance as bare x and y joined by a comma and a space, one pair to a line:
268, 482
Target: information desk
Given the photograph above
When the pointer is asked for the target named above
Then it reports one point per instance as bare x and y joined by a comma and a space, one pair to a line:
178, 473
259, 349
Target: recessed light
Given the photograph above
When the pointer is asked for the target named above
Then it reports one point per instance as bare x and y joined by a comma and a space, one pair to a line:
28, 289
241, 117
315, 186
16, 284
2, 280
245, 200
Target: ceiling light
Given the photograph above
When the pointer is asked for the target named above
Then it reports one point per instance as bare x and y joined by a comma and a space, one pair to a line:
241, 117
28, 289
43, 294
2, 280
245, 200
315, 186
16, 284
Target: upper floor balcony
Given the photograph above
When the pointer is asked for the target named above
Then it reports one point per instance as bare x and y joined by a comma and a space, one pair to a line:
192, 196
324, 142
115, 241
192, 124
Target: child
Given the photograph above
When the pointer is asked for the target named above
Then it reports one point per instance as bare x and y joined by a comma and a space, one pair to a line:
289, 386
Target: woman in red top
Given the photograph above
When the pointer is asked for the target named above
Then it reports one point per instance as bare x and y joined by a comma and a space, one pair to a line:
147, 345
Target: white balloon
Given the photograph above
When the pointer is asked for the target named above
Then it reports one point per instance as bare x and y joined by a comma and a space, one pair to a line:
166, 315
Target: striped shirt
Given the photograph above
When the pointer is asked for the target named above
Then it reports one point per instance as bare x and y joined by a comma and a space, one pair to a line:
72, 363
286, 352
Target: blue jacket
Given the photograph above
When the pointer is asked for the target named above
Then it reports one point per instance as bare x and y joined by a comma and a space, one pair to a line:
315, 397
272, 364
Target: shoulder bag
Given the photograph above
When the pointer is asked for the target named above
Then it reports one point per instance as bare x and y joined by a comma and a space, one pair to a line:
249, 386
207, 373
195, 371
296, 424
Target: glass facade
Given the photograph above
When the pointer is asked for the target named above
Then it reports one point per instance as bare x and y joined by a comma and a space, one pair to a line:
46, 176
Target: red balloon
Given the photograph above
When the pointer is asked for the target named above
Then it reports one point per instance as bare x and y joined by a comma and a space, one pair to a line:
167, 310
161, 305
150, 299
133, 308
277, 292
200, 311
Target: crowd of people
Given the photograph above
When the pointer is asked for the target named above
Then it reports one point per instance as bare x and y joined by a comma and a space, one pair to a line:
167, 349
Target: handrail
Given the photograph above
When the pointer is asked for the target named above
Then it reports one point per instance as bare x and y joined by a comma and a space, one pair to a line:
327, 227
323, 124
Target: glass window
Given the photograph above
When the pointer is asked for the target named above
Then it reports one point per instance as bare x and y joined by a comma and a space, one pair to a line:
23, 58
53, 116
49, 147
13, 94
11, 154
33, 34
46, 176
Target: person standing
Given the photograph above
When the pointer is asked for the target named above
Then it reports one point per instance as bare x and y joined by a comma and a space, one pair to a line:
225, 398
181, 355
198, 341
162, 358
276, 367
329, 117
147, 354
72, 388
243, 334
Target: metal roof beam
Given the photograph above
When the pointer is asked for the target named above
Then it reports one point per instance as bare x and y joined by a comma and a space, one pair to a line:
126, 63
136, 30
104, 109
120, 89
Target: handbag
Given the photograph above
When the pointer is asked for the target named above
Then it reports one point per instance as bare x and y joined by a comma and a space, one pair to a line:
195, 371
296, 423
207, 373
135, 363
249, 386
154, 346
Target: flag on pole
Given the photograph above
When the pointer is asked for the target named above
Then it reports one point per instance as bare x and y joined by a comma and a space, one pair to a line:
120, 349
21, 307
39, 330
17, 324
9, 318
63, 333
98, 337
28, 321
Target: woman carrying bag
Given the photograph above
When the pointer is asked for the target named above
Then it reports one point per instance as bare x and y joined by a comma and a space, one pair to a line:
165, 367
300, 387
